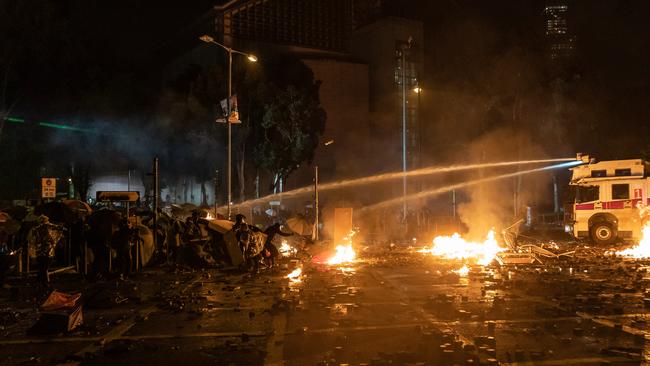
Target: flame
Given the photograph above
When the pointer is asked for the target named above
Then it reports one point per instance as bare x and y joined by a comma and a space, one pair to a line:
643, 249
462, 271
287, 250
344, 253
455, 247
209, 216
294, 276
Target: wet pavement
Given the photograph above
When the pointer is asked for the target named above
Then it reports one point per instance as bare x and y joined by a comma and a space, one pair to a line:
390, 307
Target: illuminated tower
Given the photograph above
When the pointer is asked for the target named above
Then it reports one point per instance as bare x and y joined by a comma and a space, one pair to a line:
560, 40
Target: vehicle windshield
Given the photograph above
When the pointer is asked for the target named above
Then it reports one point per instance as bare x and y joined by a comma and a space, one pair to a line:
587, 193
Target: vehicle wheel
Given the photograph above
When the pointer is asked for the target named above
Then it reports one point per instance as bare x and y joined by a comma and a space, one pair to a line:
603, 233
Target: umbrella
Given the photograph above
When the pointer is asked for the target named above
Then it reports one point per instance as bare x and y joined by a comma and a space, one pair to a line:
146, 245
8, 225
17, 212
57, 212
188, 206
185, 210
300, 225
103, 222
80, 207
220, 226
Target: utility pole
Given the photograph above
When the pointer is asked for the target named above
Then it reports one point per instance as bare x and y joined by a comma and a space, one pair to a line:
405, 48
128, 188
252, 58
216, 191
156, 189
229, 135
404, 208
316, 213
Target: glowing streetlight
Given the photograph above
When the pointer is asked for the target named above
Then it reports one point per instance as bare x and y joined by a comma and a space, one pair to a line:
252, 58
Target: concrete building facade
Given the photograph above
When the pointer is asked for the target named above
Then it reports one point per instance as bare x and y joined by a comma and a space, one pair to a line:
368, 71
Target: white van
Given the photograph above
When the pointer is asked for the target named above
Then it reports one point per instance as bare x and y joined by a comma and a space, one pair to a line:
607, 197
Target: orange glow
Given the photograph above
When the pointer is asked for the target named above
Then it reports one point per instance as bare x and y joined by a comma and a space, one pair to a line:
642, 250
294, 276
455, 247
462, 271
287, 250
344, 253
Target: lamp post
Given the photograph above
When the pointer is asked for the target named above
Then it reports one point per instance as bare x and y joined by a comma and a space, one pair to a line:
406, 46
252, 58
316, 209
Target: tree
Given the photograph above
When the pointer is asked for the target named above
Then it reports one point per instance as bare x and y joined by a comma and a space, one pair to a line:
293, 122
278, 104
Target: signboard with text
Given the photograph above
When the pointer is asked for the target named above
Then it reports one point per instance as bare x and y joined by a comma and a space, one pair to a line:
118, 196
48, 187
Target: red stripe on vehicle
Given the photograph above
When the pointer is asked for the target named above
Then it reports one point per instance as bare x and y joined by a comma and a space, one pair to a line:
584, 206
614, 205
611, 205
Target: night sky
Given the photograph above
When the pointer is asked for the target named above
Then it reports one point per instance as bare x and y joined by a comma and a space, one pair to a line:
87, 61
97, 41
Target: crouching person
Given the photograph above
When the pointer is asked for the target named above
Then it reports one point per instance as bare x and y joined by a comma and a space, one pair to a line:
271, 251
44, 238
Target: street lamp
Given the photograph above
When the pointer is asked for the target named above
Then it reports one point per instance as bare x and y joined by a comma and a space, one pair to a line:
316, 210
405, 47
252, 58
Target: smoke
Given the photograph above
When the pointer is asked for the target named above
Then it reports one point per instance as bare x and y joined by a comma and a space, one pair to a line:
110, 146
107, 145
501, 203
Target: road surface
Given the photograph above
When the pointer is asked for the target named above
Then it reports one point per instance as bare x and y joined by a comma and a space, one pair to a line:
389, 307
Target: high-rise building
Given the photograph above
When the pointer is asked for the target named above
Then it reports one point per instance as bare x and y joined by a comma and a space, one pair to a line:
363, 58
560, 40
393, 48
320, 24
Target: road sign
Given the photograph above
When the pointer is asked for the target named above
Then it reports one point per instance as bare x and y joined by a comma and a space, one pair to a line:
118, 196
234, 114
48, 187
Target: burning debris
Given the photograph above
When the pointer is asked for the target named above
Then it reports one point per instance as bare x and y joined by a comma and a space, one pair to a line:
455, 247
462, 271
642, 250
344, 253
295, 275
287, 250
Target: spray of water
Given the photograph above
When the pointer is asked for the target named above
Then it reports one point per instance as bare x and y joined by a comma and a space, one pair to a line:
449, 188
388, 176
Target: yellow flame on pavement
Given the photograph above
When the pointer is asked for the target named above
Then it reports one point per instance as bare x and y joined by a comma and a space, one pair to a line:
344, 253
463, 271
294, 276
455, 247
642, 250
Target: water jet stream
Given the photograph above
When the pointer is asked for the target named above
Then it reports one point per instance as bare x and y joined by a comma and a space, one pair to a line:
387, 176
437, 191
